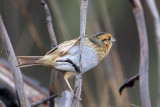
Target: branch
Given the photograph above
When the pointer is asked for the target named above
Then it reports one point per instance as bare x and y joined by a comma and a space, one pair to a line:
16, 73
37, 103
144, 55
154, 12
78, 81
54, 44
49, 24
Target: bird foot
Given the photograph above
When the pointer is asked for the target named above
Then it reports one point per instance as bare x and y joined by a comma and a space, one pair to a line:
72, 92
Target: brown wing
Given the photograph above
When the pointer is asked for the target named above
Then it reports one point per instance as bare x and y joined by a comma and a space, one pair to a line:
64, 47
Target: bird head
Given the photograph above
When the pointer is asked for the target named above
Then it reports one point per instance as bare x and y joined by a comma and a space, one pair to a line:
102, 39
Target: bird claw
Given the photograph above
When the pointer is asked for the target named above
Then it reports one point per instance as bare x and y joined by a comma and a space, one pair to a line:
72, 92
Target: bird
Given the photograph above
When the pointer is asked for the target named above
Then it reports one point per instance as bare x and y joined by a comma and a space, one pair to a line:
65, 57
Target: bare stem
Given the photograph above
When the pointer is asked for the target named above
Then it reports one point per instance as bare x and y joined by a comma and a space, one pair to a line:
16, 73
54, 44
78, 81
144, 55
49, 24
37, 103
154, 12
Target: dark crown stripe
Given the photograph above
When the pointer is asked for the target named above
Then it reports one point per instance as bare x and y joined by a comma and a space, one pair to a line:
99, 34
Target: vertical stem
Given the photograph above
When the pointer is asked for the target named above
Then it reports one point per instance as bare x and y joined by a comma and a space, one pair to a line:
78, 81
156, 21
144, 55
16, 73
54, 44
49, 24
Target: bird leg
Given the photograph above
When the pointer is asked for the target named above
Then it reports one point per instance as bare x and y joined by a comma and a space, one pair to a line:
68, 75
71, 62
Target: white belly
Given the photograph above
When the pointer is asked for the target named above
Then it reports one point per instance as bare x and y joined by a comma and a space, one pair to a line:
89, 59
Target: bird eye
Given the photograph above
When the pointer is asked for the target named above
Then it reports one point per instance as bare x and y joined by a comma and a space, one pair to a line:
109, 38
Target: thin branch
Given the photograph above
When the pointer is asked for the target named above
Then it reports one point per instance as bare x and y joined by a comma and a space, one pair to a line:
144, 55
54, 44
154, 12
49, 24
78, 80
37, 103
16, 73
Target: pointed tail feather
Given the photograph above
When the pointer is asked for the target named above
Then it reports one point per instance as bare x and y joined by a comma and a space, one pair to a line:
24, 61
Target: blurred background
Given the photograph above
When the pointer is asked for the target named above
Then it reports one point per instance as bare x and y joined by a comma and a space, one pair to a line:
26, 25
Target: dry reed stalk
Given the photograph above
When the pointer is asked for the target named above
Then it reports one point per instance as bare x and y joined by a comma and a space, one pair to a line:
16, 73
37, 103
144, 54
156, 21
78, 79
53, 39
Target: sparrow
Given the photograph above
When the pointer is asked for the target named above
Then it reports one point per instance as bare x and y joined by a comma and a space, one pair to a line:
95, 48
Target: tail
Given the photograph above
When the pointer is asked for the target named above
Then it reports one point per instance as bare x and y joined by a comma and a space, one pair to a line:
24, 61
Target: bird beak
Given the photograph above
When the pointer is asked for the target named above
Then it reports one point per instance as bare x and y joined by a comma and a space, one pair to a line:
113, 39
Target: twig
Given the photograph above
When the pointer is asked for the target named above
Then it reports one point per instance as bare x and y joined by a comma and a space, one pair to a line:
78, 80
154, 12
49, 24
128, 83
16, 73
144, 55
54, 44
37, 103
52, 88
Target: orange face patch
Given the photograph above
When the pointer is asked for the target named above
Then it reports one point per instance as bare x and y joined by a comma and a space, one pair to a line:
106, 39
105, 36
